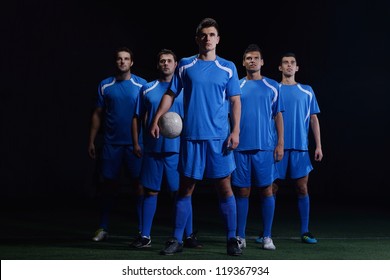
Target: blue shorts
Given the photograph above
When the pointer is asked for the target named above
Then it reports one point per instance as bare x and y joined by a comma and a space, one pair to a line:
205, 159
115, 156
295, 164
155, 165
254, 168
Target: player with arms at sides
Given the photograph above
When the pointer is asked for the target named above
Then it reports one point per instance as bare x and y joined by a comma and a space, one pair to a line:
208, 83
256, 155
161, 155
115, 107
301, 109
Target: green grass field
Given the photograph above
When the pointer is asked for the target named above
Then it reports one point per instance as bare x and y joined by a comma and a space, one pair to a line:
62, 230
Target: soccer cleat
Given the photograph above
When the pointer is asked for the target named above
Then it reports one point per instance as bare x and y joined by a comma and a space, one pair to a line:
268, 244
308, 238
192, 242
141, 242
260, 238
233, 247
241, 242
100, 235
172, 246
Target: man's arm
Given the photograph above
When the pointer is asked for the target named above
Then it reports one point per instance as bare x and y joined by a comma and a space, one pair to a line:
235, 115
315, 127
279, 149
165, 104
95, 125
135, 131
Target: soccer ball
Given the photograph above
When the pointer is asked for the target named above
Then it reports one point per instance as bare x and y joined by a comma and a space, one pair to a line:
170, 125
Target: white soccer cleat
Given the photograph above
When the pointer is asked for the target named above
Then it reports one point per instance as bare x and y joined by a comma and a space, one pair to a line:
241, 242
268, 244
100, 235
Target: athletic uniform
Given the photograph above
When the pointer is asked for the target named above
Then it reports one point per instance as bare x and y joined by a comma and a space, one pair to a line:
206, 87
300, 102
118, 99
261, 103
161, 155
254, 155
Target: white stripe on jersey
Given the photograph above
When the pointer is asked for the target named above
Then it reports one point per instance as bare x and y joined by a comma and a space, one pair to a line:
181, 69
273, 89
224, 68
151, 88
107, 85
311, 97
137, 84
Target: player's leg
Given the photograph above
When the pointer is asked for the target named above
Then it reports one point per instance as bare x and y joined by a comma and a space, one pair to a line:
111, 164
300, 169
149, 210
275, 188
139, 198
172, 175
267, 213
149, 204
191, 166
220, 164
264, 174
303, 202
242, 206
228, 208
241, 182
182, 209
151, 178
134, 165
304, 210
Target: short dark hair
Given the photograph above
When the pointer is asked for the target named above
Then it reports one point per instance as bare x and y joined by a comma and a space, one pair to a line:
288, 54
252, 48
124, 49
166, 51
207, 22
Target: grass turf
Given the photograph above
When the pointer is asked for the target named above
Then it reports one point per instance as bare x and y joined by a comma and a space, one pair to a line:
62, 230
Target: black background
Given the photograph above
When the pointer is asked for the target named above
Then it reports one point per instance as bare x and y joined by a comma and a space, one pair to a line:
54, 54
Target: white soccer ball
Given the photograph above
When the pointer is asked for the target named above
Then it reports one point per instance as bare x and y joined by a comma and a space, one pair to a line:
170, 125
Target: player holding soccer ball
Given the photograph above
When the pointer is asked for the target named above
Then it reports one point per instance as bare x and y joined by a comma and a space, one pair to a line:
161, 155
115, 106
208, 83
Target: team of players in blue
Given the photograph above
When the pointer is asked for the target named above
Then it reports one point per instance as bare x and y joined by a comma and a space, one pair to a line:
236, 133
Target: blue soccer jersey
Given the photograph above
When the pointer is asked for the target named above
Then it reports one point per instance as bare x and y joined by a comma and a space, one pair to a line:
148, 102
260, 103
207, 86
299, 103
118, 99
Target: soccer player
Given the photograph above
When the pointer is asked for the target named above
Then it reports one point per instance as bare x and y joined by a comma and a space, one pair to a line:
161, 155
256, 155
301, 109
209, 83
115, 107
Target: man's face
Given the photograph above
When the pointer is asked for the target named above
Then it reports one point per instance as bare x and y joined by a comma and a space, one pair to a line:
253, 61
123, 62
288, 66
208, 38
167, 64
